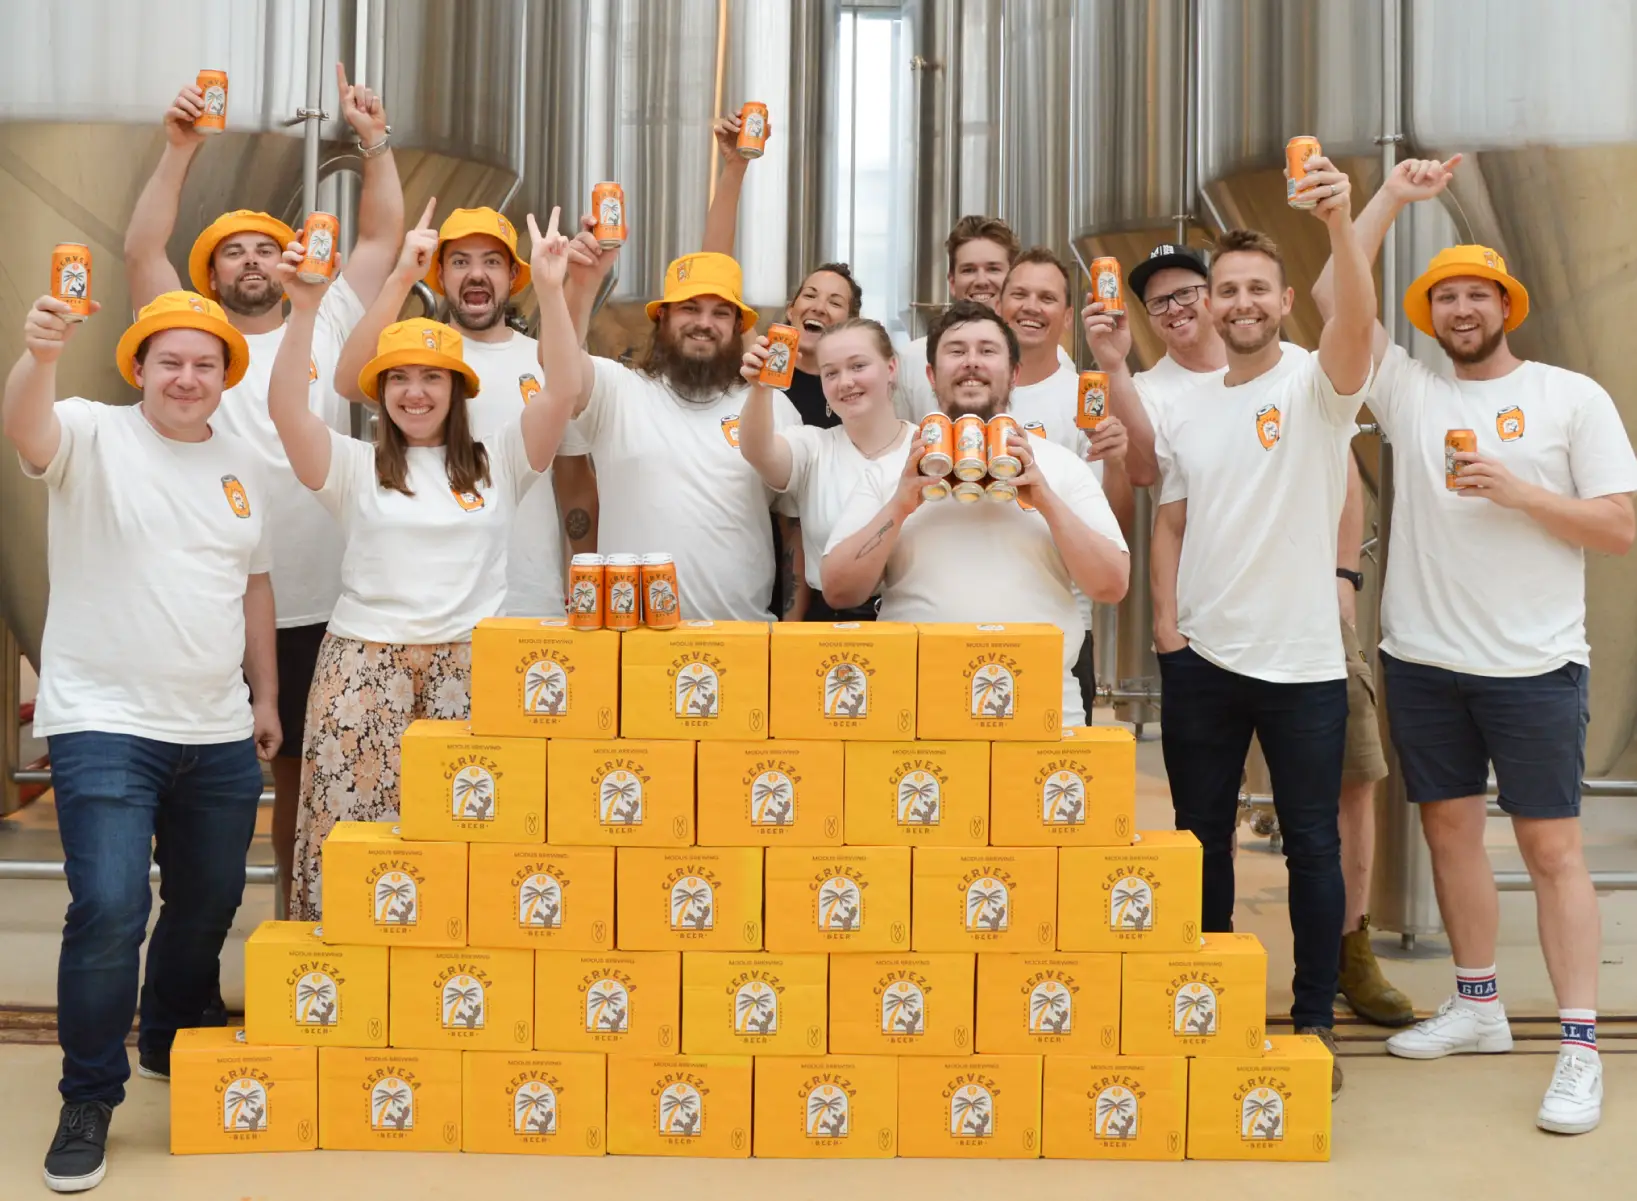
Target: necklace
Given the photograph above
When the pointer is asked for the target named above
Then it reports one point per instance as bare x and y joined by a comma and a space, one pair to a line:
891, 442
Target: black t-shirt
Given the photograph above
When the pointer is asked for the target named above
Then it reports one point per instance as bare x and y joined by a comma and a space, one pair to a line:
807, 394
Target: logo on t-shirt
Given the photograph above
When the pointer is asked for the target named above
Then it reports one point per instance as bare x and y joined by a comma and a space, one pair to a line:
730, 430
470, 501
312, 371
528, 386
1267, 425
234, 491
1509, 424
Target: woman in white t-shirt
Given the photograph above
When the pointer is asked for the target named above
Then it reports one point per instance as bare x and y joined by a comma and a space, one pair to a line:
427, 512
821, 468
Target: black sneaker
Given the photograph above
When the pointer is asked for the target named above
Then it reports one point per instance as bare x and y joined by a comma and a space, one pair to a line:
154, 1065
1327, 1036
78, 1156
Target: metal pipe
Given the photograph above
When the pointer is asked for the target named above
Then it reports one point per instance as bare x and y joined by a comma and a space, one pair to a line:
41, 869
313, 113
1391, 136
1186, 185
520, 138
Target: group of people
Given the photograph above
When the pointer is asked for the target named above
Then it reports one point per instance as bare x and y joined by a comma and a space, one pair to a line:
290, 593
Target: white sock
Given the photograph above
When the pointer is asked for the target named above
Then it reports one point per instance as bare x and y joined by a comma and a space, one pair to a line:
1475, 989
1579, 1030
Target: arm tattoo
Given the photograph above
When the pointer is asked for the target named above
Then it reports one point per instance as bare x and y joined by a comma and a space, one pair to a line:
787, 573
875, 539
577, 524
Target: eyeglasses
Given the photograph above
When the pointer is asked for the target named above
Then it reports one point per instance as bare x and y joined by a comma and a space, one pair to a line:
1184, 297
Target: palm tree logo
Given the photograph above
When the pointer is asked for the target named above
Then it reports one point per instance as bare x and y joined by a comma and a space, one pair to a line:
545, 688
987, 906
73, 282
244, 1106
1116, 1114
534, 1109
972, 1112
1131, 905
1063, 799
318, 1002
903, 1009
697, 691
584, 597
463, 1007
840, 905
216, 100
920, 803
619, 799
1195, 1010
396, 900
992, 691
607, 1008
1262, 1115
472, 795
540, 902
391, 1105
1051, 1008
622, 597
755, 1009
846, 691
661, 596
772, 800
681, 1110
693, 904
828, 1112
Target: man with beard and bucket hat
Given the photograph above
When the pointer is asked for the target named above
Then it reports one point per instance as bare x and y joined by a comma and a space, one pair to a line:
1486, 668
156, 742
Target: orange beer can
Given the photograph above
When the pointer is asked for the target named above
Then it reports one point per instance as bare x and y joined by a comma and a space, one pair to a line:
71, 278
780, 367
1297, 151
320, 236
938, 436
1001, 491
935, 489
608, 207
968, 491
971, 461
622, 590
752, 129
1003, 464
586, 592
661, 600
1092, 410
1105, 284
1037, 428
1455, 442
214, 85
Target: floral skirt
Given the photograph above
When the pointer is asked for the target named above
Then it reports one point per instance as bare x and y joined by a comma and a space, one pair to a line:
364, 696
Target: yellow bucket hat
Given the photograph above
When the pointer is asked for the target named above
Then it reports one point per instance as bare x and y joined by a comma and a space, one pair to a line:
1463, 260
239, 221
420, 343
463, 223
704, 274
182, 310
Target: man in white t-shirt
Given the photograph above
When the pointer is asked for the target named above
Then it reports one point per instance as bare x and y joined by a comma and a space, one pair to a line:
1483, 650
1246, 622
232, 262
154, 738
1033, 562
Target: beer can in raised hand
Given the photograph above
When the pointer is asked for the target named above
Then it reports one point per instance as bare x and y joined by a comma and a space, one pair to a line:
938, 437
1003, 464
780, 367
319, 236
1092, 409
971, 459
214, 85
585, 592
1297, 151
608, 210
1105, 284
752, 129
661, 600
622, 589
1457, 442
71, 278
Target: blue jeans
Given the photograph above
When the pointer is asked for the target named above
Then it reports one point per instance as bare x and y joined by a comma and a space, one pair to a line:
1207, 717
118, 796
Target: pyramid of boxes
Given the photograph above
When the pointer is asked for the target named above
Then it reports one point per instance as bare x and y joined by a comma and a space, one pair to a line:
721, 890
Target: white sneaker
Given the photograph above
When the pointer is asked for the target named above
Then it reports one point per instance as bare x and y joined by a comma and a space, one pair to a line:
1574, 1099
1455, 1029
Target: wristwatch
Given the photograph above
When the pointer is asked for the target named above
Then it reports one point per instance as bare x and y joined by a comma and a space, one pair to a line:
1355, 578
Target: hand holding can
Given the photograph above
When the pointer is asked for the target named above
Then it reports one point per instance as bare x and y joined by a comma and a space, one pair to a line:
71, 279
1092, 408
1105, 284
214, 117
318, 238
1457, 442
753, 129
1297, 151
780, 368
1003, 464
608, 211
938, 446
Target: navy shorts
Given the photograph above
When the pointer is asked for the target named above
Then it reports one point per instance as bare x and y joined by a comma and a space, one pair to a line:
297, 651
1449, 726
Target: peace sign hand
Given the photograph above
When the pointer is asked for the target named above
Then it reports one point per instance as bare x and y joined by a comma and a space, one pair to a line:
548, 256
420, 245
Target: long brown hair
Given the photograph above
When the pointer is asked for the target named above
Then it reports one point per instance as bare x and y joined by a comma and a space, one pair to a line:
465, 460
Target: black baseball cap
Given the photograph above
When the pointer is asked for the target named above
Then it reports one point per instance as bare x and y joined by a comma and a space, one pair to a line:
1166, 254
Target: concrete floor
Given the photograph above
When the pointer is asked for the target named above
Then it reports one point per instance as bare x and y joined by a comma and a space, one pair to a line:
1470, 1122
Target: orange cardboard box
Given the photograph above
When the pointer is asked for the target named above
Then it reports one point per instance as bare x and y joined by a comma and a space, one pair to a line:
1052, 1003
536, 678
228, 1096
534, 1103
387, 1099
982, 1108
628, 1002
1080, 790
1116, 1107
696, 1105
838, 899
538, 896
827, 1107
905, 1004
916, 794
770, 794
843, 680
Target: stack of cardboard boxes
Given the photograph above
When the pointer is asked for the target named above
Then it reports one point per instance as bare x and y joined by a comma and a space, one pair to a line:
820, 891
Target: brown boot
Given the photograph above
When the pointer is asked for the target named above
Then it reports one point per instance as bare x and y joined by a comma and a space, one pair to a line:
1366, 989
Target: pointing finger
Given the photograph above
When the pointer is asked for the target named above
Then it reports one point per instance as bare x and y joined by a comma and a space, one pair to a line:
341, 77
1453, 162
426, 216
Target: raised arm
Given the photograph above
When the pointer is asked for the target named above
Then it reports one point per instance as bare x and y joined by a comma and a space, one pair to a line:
28, 413
1346, 342
420, 244
1109, 337
722, 220
148, 272
563, 329
850, 573
1164, 556
305, 435
762, 446
381, 202
545, 420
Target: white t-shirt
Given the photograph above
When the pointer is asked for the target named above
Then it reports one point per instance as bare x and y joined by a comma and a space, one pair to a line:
1263, 466
151, 545
1165, 381
510, 373
424, 568
670, 479
914, 398
1471, 586
987, 561
1053, 402
306, 540
825, 470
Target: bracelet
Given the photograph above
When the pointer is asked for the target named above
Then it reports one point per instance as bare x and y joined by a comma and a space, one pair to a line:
379, 148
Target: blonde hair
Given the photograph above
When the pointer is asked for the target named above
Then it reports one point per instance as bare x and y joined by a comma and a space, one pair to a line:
883, 341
